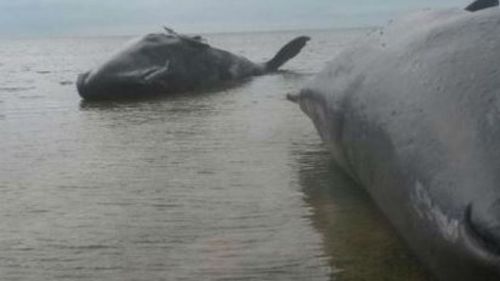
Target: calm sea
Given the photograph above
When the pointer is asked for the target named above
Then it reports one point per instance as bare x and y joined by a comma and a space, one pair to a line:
225, 185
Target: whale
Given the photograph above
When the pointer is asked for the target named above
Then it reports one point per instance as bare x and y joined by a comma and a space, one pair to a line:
481, 5
168, 62
411, 112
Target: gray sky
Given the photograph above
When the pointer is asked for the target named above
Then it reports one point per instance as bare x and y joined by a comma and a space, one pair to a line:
26, 18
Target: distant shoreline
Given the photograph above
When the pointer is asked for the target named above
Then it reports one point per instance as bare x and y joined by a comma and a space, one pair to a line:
159, 29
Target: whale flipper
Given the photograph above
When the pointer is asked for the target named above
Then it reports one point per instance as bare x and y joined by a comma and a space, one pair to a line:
481, 5
286, 53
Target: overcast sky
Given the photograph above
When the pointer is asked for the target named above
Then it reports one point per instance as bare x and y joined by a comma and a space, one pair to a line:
24, 18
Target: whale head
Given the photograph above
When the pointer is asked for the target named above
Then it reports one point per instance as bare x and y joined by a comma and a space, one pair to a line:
152, 64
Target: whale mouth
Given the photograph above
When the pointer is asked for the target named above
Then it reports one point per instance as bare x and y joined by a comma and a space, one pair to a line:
483, 246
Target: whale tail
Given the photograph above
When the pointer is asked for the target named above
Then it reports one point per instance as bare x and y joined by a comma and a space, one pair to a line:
286, 53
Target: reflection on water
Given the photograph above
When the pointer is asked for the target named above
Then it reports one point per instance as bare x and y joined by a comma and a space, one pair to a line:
361, 243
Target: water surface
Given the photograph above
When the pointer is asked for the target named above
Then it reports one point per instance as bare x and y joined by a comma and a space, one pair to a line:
231, 184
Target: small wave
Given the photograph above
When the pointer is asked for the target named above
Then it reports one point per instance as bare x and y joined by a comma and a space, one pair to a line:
100, 268
38, 211
16, 89
77, 187
66, 82
165, 206
24, 249
116, 204
85, 247
43, 72
31, 97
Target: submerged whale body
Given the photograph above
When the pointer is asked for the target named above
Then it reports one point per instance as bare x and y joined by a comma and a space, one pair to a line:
412, 113
168, 63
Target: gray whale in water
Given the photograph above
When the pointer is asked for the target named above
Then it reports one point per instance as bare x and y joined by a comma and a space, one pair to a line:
412, 113
170, 63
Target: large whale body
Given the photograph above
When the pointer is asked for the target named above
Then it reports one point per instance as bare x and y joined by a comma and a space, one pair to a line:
412, 112
169, 62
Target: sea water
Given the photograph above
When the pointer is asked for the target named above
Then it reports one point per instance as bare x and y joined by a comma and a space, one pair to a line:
229, 184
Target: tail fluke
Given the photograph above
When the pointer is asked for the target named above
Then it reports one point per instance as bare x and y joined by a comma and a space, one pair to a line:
286, 53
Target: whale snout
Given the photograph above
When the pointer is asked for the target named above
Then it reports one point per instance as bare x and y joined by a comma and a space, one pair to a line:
81, 84
94, 86
88, 87
483, 222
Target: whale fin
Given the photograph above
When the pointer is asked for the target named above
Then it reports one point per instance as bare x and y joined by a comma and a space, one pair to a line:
481, 5
286, 53
195, 41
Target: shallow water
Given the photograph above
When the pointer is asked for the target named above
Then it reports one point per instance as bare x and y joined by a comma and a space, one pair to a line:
231, 184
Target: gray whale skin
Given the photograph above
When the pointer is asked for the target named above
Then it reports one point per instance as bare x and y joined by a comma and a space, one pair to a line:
412, 113
168, 62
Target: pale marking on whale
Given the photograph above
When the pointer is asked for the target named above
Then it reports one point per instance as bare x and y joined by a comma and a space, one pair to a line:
427, 209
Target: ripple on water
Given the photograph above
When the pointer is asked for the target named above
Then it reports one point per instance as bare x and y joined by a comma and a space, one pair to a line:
15, 89
30, 97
